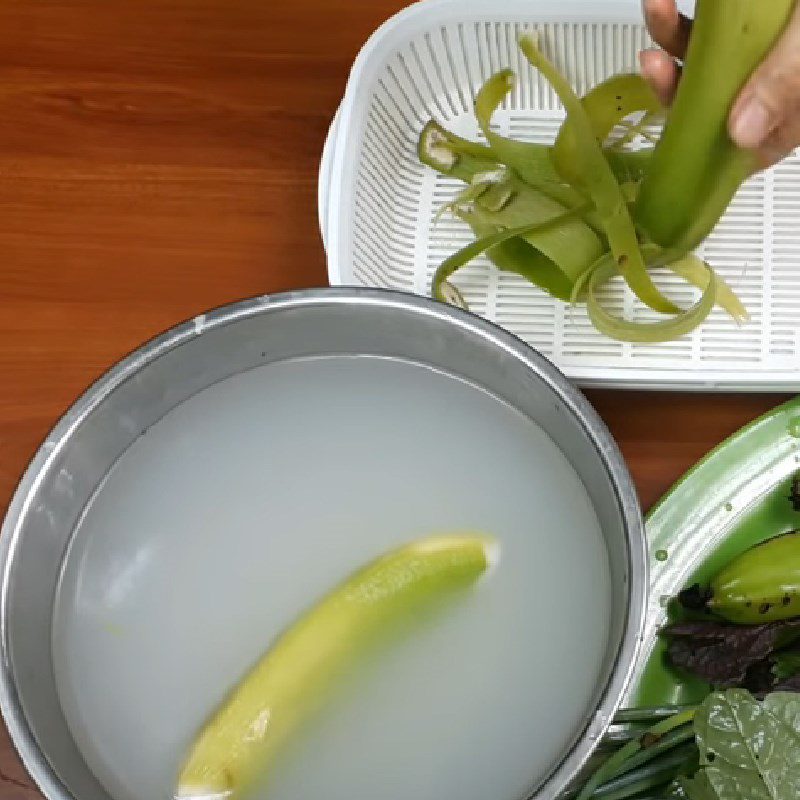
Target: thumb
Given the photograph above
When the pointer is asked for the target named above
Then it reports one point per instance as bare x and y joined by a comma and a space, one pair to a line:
772, 95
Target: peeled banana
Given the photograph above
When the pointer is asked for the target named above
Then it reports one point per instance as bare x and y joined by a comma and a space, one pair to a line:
288, 683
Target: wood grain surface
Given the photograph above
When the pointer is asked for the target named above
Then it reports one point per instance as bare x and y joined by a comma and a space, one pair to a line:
158, 158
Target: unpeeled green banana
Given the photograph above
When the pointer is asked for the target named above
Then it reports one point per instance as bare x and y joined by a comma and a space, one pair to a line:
761, 585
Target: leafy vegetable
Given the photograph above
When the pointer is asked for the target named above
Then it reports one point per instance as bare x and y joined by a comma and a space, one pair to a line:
650, 777
757, 595
725, 655
787, 665
732, 747
618, 763
791, 684
697, 787
736, 748
750, 749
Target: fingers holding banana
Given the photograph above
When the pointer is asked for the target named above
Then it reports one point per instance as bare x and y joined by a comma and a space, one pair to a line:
766, 116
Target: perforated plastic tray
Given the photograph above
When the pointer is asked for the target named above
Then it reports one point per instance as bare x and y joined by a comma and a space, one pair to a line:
377, 202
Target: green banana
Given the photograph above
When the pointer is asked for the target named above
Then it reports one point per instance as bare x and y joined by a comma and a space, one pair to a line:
761, 585
696, 169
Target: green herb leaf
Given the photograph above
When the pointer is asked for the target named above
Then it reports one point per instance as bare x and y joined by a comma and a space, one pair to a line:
785, 707
749, 749
696, 788
787, 665
724, 655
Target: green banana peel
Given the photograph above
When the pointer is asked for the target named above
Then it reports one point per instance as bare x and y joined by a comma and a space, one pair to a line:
456, 261
654, 332
518, 256
606, 105
570, 216
529, 160
507, 202
602, 187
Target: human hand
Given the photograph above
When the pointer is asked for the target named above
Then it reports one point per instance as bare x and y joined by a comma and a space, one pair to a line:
766, 115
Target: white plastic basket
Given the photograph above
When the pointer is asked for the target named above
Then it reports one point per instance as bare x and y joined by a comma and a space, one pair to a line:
377, 202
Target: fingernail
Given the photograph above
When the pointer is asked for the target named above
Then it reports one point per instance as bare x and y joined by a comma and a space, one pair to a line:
751, 125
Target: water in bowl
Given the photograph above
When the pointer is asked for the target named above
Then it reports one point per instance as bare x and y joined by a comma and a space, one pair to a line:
249, 501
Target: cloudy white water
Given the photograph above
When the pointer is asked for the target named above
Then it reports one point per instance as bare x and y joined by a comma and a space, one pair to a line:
249, 501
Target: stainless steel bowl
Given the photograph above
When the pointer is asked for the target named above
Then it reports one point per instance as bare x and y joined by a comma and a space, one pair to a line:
141, 389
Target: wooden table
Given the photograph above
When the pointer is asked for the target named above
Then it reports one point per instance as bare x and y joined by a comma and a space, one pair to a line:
159, 157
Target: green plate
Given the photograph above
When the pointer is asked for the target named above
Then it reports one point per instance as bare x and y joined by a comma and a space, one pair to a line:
734, 498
